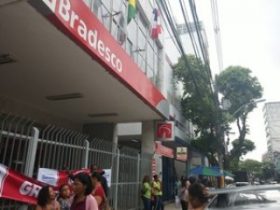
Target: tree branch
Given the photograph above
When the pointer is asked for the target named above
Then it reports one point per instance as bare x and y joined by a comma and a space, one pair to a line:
238, 125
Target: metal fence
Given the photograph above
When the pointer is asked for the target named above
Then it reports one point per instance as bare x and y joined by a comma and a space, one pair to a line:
26, 148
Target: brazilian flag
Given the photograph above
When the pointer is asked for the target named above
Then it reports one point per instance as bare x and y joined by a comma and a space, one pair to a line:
131, 10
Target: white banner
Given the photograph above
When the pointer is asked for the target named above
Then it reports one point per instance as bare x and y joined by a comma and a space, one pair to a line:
48, 176
108, 176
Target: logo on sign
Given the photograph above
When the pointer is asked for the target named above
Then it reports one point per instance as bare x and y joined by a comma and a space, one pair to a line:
165, 131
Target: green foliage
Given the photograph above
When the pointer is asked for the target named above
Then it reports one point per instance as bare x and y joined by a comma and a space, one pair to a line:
239, 87
252, 166
268, 170
207, 144
261, 170
200, 107
197, 103
243, 149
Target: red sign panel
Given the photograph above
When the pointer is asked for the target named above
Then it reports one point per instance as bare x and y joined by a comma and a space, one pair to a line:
165, 131
163, 150
76, 20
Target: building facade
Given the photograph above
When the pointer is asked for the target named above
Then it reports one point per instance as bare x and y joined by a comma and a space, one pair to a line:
89, 89
272, 124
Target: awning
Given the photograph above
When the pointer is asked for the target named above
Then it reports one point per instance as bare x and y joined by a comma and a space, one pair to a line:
209, 171
206, 171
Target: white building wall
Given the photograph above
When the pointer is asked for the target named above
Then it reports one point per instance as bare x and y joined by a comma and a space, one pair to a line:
272, 118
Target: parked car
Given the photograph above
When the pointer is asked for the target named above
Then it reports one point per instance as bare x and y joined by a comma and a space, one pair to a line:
248, 197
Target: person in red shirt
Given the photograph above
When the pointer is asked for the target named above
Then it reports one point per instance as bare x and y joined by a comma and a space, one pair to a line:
98, 191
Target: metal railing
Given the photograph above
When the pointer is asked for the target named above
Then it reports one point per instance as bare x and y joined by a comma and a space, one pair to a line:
26, 148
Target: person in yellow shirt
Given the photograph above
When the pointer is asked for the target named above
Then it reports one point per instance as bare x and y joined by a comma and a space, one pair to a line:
147, 193
157, 193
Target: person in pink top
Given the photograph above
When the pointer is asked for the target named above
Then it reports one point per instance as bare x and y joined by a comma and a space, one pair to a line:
82, 188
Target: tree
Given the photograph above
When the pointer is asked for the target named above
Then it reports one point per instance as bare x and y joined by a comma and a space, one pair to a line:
254, 167
241, 89
268, 171
198, 105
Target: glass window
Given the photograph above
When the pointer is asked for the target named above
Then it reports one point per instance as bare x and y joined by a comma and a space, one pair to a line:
150, 55
106, 3
132, 31
104, 16
141, 39
150, 73
118, 5
141, 24
129, 47
115, 30
141, 62
88, 2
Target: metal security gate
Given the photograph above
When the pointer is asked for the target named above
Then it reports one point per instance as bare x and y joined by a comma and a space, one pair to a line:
26, 148
15, 133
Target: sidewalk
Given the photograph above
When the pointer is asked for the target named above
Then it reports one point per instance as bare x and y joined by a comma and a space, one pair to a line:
171, 206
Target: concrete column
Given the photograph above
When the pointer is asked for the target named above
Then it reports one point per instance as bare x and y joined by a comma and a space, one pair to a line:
115, 138
148, 137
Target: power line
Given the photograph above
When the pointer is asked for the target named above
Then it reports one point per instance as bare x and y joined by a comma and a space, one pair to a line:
201, 42
178, 40
183, 9
216, 25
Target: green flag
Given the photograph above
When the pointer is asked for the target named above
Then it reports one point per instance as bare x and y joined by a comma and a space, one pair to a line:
131, 10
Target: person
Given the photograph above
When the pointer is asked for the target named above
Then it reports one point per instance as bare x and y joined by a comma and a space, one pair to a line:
192, 180
103, 181
46, 199
198, 196
98, 191
64, 197
82, 188
157, 192
147, 193
184, 194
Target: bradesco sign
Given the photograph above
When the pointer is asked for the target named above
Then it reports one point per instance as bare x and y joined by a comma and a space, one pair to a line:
75, 19
64, 10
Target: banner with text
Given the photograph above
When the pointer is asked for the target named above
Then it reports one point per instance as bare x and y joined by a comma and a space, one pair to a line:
16, 186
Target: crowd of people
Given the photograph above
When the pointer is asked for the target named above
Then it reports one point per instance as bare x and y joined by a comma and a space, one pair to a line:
192, 192
89, 192
86, 192
151, 193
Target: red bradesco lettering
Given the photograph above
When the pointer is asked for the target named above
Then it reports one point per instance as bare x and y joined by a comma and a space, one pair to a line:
75, 19
84, 31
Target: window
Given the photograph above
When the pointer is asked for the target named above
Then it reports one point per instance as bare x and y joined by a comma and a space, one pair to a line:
134, 37
88, 3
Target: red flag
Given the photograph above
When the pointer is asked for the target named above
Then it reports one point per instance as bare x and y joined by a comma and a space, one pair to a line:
16, 186
156, 27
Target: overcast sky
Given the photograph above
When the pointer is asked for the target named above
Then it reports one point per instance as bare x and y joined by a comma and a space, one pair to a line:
250, 37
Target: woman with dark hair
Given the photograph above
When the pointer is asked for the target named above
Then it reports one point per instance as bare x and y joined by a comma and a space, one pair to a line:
46, 199
198, 196
64, 197
98, 191
82, 188
147, 193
